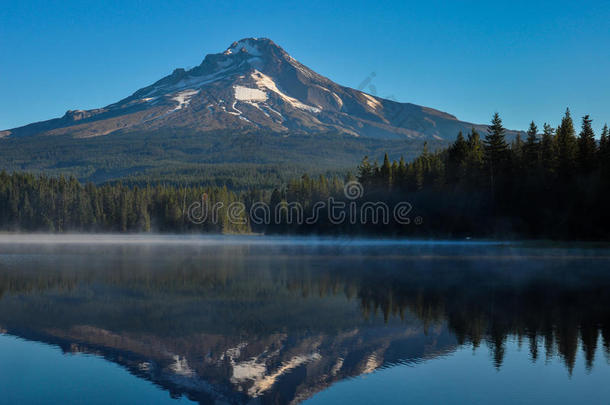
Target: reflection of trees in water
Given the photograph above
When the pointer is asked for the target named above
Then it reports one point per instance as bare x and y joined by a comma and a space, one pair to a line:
553, 319
552, 306
554, 310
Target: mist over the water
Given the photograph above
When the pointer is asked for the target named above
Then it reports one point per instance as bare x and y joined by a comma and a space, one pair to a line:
276, 319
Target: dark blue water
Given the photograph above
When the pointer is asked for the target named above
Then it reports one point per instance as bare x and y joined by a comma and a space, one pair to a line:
128, 319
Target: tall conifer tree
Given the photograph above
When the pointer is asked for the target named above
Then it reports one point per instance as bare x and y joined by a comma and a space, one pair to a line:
566, 146
587, 148
496, 149
532, 147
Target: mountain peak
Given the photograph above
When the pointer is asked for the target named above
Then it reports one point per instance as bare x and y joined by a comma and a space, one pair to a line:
252, 46
253, 41
255, 85
255, 47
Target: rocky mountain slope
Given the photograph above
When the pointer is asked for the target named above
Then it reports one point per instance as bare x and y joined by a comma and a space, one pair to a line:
253, 86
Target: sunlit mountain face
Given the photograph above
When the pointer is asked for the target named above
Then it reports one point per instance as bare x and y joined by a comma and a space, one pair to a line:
250, 107
254, 85
242, 322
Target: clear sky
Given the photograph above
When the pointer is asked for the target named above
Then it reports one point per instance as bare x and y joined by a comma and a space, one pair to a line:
525, 59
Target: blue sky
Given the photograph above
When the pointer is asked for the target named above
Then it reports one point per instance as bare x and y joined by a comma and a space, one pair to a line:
525, 59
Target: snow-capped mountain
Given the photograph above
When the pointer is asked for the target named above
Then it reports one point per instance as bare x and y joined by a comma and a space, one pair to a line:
253, 85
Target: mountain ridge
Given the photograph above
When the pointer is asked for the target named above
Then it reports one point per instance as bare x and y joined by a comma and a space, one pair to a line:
253, 86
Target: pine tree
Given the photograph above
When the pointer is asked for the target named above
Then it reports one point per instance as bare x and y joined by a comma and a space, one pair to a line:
375, 180
385, 173
419, 171
587, 148
401, 174
496, 150
604, 150
365, 172
474, 158
322, 188
393, 172
548, 150
276, 199
532, 147
517, 153
566, 146
456, 159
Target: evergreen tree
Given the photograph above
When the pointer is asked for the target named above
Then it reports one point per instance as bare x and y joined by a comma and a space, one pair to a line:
385, 173
401, 174
587, 148
566, 147
276, 198
532, 147
456, 160
517, 150
548, 150
474, 158
496, 150
393, 172
604, 150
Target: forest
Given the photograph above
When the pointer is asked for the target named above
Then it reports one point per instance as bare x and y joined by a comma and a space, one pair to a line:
39, 203
239, 160
553, 184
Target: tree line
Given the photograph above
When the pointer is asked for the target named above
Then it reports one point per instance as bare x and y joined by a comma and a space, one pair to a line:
59, 204
555, 183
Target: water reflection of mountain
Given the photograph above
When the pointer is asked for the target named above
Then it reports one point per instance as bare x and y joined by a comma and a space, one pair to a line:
275, 325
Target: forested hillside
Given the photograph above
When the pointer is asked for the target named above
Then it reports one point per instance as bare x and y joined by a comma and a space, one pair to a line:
554, 184
30, 203
239, 160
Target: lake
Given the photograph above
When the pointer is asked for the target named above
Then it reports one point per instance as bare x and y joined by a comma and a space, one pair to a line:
121, 319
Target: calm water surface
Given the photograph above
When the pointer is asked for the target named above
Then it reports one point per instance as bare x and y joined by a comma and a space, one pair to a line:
213, 320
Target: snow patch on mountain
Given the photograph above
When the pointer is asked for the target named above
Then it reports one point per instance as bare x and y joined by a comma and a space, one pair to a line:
247, 94
235, 110
189, 83
265, 81
274, 111
258, 107
371, 101
183, 98
338, 100
245, 45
